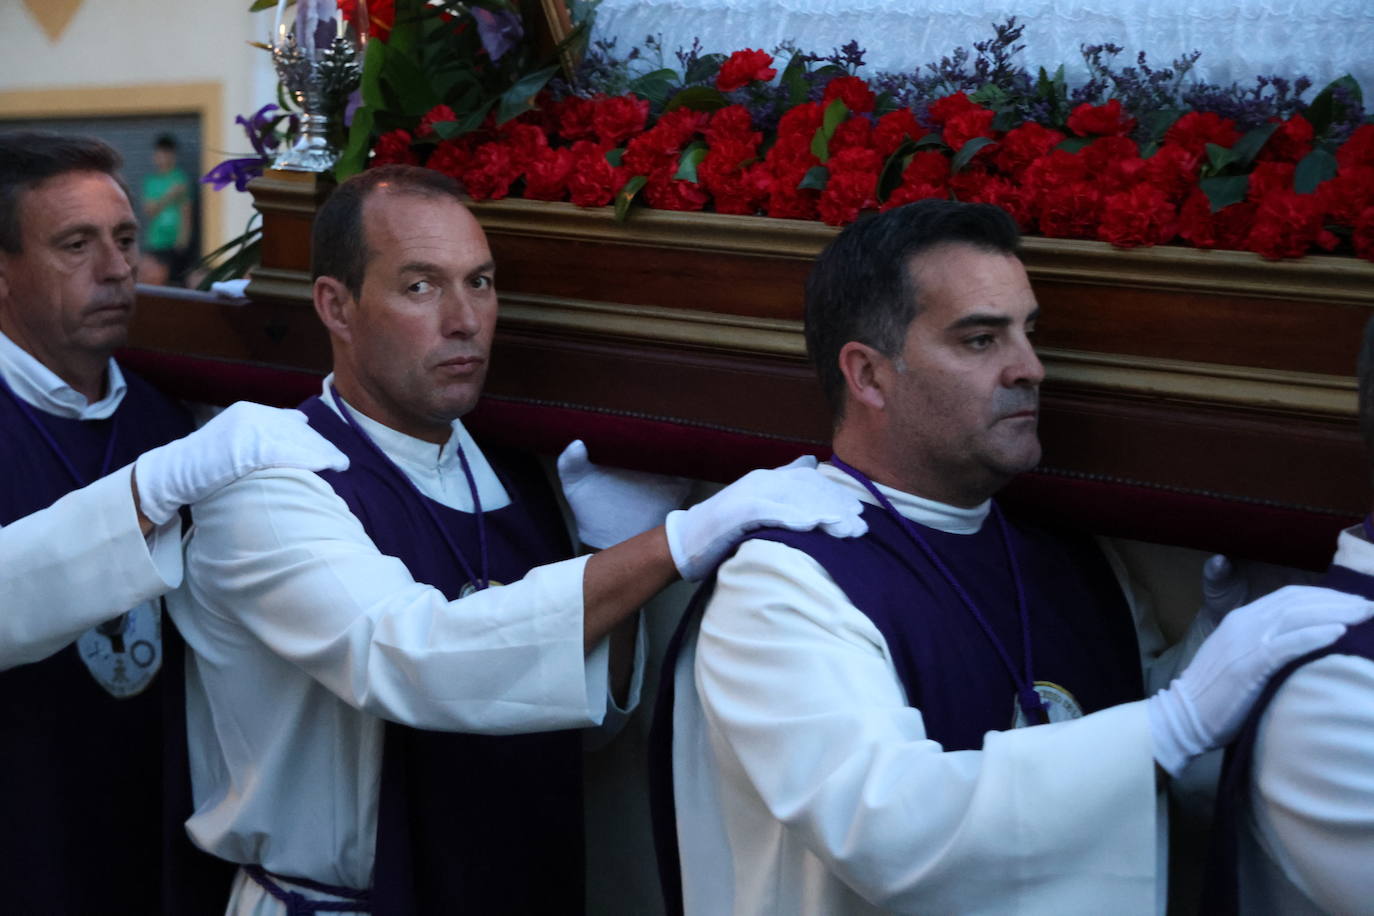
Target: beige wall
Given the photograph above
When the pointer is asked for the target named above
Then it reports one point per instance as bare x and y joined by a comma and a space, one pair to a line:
144, 57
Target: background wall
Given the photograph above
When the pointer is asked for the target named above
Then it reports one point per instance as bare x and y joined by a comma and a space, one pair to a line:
143, 57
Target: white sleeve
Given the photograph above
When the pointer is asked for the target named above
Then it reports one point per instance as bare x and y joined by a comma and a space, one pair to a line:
77, 563
800, 697
280, 554
1312, 793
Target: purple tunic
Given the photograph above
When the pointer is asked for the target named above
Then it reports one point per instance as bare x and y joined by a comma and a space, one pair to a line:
93, 789
467, 823
1222, 894
1081, 631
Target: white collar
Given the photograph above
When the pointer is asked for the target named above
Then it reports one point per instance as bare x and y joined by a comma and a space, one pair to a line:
1354, 552
40, 387
928, 512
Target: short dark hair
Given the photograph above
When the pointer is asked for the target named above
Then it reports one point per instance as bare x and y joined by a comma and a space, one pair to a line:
861, 287
1365, 376
167, 142
29, 158
338, 247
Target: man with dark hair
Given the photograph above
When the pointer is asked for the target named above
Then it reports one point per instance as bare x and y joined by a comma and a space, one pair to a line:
85, 547
371, 724
1295, 814
167, 215
847, 716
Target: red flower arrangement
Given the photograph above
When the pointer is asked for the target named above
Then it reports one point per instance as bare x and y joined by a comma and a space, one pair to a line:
1202, 181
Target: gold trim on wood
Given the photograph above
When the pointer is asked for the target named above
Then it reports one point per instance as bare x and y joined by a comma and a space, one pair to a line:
1316, 278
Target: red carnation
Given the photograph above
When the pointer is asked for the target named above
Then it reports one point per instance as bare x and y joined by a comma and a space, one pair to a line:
452, 157
1016, 201
1023, 145
1070, 211
851, 90
968, 184
493, 170
910, 192
664, 192
1196, 129
1226, 228
1346, 196
745, 67
732, 177
593, 181
1054, 170
1100, 155
787, 201
436, 115
1107, 120
574, 117
546, 176
851, 134
1287, 224
895, 128
618, 118
847, 194
963, 127
801, 121
941, 110
1358, 149
1290, 141
1363, 236
732, 124
525, 142
393, 148
1269, 177
1173, 169
1141, 216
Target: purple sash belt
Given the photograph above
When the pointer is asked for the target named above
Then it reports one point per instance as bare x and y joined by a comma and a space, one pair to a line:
298, 904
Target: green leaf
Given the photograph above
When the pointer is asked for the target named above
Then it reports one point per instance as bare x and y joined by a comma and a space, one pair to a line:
614, 156
834, 116
1073, 144
1222, 192
1325, 109
655, 86
1316, 167
1218, 158
466, 124
1249, 146
627, 195
260, 5
519, 98
890, 178
1007, 120
354, 157
793, 77
697, 98
1157, 123
989, 95
690, 159
815, 178
967, 152
885, 103
705, 68
409, 84
374, 62
930, 141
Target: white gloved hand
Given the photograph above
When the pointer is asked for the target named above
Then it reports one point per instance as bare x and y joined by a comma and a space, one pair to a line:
795, 496
1205, 706
612, 504
244, 438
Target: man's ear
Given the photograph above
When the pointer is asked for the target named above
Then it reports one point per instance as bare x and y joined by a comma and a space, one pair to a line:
865, 374
335, 305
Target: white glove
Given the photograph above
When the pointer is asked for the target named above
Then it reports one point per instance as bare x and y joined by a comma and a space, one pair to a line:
612, 504
247, 437
795, 496
1205, 705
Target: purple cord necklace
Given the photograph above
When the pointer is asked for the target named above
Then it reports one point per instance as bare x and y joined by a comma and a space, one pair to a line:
1369, 528
32, 417
477, 583
1031, 705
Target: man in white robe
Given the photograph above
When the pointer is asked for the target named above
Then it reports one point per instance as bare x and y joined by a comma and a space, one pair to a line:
805, 779
306, 638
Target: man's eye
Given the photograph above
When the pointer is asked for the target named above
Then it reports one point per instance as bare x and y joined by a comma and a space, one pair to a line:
981, 342
420, 287
481, 282
76, 247
127, 243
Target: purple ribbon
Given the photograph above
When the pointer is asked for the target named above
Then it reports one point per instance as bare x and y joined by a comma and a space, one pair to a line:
478, 584
28, 412
1368, 528
1031, 704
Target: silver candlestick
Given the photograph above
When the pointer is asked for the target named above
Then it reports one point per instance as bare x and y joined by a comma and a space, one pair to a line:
320, 80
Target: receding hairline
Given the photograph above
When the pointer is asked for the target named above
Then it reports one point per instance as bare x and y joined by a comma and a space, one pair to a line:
389, 189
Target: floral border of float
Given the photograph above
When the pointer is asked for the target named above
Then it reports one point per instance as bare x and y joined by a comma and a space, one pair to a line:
1133, 156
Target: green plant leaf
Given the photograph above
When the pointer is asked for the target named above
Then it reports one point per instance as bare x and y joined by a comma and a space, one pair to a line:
1224, 191
260, 5
1325, 109
519, 98
834, 116
793, 77
967, 152
1007, 120
409, 84
689, 160
1157, 123
885, 103
655, 86
1316, 167
1249, 146
354, 157
1218, 158
989, 95
890, 178
627, 195
705, 68
614, 156
466, 124
930, 141
697, 98
1073, 144
374, 62
815, 178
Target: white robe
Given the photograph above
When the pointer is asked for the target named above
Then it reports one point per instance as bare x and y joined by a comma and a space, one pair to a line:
1307, 843
805, 784
304, 638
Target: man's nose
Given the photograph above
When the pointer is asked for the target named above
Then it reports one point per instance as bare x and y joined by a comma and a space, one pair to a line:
461, 318
116, 262
1026, 368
